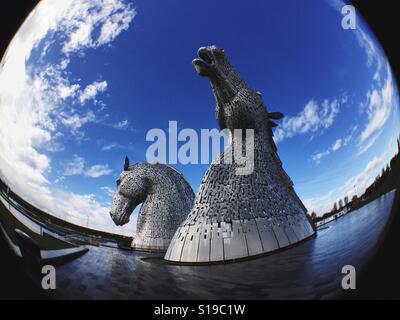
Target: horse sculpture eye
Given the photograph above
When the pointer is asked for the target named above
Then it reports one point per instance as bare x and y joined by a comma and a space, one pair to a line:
118, 182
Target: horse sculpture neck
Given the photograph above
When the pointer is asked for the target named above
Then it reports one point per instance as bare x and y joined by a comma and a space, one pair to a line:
237, 216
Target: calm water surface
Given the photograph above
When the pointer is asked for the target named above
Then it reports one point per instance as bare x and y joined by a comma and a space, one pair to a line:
309, 270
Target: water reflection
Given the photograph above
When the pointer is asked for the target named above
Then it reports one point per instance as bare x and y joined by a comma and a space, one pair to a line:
309, 270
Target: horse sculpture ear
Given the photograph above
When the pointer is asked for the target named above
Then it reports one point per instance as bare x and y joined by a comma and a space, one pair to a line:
272, 124
275, 115
126, 164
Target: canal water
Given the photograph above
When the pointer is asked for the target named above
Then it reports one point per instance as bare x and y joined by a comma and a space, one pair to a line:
310, 270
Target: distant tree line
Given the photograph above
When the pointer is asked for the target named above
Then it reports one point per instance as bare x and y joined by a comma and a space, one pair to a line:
386, 181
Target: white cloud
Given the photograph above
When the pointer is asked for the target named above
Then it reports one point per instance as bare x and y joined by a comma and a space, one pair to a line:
350, 136
378, 110
92, 90
337, 145
93, 23
65, 91
367, 44
330, 109
318, 156
367, 145
36, 100
76, 121
86, 210
97, 171
109, 146
359, 183
78, 167
75, 167
312, 119
319, 205
109, 191
121, 125
379, 105
59, 179
115, 24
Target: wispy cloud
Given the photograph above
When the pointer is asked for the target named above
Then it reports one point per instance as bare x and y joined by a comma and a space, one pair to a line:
76, 121
92, 90
109, 191
368, 144
106, 146
121, 125
367, 44
77, 166
379, 105
98, 170
337, 145
110, 146
315, 117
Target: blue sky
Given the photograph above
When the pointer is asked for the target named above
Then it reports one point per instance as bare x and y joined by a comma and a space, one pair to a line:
97, 77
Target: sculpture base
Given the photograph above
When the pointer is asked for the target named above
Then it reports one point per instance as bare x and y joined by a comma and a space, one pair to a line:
239, 239
151, 245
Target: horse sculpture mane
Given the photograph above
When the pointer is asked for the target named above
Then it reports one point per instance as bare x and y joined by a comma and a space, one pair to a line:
166, 199
237, 216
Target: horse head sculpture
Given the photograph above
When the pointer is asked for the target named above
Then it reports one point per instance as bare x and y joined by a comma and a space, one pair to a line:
166, 200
